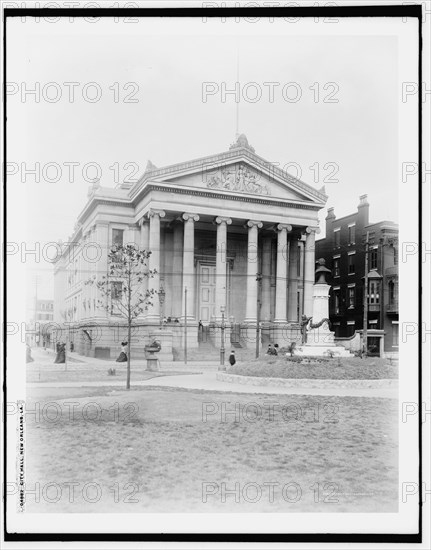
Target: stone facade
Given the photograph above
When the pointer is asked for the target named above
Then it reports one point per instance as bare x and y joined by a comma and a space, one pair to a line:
212, 225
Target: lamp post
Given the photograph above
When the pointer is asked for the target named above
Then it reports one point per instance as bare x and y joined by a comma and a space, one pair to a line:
162, 295
222, 328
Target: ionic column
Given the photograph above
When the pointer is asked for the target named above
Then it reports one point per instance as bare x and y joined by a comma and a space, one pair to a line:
252, 269
144, 245
292, 303
145, 233
309, 272
281, 282
177, 271
189, 263
266, 279
221, 285
154, 260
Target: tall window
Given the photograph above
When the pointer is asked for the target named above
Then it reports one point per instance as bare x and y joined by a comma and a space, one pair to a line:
391, 286
116, 294
117, 237
351, 297
352, 234
336, 301
351, 260
336, 269
298, 263
337, 238
373, 258
298, 302
116, 290
374, 296
395, 256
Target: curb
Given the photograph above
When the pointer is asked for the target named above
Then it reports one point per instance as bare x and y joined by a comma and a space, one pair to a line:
308, 383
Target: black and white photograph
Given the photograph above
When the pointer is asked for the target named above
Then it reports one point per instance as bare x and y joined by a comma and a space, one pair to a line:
216, 285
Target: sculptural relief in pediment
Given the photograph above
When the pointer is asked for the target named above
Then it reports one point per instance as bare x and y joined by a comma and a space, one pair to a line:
237, 178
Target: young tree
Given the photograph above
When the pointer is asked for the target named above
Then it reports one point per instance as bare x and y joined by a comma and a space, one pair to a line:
122, 288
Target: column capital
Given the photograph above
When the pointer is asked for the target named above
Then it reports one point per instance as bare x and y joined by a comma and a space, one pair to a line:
283, 226
188, 216
220, 219
153, 212
253, 223
311, 229
142, 221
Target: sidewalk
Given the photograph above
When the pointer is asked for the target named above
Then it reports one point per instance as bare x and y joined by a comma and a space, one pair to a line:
46, 359
208, 382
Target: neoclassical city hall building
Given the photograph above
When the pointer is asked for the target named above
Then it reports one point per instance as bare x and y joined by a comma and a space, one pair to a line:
232, 238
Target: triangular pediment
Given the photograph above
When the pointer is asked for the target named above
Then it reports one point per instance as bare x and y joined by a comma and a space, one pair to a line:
239, 172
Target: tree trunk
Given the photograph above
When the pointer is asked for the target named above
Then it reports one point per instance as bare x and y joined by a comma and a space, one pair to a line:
129, 333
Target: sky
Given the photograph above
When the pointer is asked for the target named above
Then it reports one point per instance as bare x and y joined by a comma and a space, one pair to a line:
161, 87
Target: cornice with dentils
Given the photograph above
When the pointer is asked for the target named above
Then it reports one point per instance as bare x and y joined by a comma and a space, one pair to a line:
220, 158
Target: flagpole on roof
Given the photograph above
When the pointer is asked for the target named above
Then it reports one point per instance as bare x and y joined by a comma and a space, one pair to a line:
237, 98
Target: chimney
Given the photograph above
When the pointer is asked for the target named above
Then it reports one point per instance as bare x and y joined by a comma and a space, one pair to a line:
329, 220
364, 209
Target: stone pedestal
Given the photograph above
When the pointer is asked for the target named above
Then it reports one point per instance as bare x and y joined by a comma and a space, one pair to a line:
320, 340
153, 363
320, 336
165, 338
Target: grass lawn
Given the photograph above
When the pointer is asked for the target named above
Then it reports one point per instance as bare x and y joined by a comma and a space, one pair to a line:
155, 450
354, 368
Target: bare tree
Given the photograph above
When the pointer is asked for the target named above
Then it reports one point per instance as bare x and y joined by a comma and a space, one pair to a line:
122, 288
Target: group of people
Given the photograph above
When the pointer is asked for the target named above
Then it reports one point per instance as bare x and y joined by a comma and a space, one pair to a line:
272, 349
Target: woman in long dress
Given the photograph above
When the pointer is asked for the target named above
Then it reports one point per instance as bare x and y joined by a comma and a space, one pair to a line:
61, 354
123, 355
232, 359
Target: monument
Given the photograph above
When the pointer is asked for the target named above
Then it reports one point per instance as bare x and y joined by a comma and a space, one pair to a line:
317, 338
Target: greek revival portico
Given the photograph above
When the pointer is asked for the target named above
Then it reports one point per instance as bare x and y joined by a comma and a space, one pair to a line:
212, 225
288, 244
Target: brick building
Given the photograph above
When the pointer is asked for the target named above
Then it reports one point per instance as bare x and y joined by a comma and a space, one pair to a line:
344, 251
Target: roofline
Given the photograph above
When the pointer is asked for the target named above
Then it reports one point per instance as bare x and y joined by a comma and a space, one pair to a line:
231, 154
384, 223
